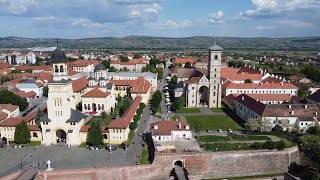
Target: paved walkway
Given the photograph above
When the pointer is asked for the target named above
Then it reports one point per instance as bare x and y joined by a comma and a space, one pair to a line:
273, 138
205, 110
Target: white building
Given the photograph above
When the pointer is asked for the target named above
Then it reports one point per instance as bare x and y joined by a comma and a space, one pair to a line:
10, 110
170, 130
135, 66
301, 116
31, 85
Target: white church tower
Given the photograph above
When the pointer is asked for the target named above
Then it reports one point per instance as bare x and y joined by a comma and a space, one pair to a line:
63, 122
214, 67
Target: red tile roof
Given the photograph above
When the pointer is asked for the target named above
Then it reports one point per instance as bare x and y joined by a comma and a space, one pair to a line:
9, 107
128, 63
268, 97
45, 77
43, 67
86, 128
184, 60
96, 93
139, 85
315, 96
71, 72
83, 63
260, 86
3, 115
29, 94
79, 84
34, 128
252, 104
124, 121
12, 121
5, 65
165, 127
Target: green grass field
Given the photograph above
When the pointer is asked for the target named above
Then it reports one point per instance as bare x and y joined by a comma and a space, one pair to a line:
188, 110
105, 121
213, 122
217, 109
144, 156
212, 138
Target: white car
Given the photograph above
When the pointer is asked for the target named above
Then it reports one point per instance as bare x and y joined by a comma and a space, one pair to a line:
220, 130
230, 130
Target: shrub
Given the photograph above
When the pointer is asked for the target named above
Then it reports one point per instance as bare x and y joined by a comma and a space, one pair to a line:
269, 145
139, 111
133, 126
136, 118
257, 145
142, 106
281, 145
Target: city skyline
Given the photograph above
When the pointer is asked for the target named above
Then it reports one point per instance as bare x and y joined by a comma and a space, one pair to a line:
176, 18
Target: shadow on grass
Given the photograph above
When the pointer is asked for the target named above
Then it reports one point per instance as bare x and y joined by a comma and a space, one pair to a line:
233, 115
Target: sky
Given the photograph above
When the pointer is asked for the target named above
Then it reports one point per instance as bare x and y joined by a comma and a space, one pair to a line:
168, 18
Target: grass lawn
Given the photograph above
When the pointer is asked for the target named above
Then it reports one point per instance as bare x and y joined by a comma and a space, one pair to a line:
213, 122
217, 109
209, 138
188, 110
226, 146
35, 143
144, 156
105, 121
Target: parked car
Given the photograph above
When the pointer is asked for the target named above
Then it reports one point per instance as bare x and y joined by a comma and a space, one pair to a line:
208, 131
230, 130
220, 130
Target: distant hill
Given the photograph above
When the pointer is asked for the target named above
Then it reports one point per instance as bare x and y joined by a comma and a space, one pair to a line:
167, 43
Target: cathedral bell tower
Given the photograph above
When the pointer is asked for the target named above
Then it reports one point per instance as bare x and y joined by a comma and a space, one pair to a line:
214, 68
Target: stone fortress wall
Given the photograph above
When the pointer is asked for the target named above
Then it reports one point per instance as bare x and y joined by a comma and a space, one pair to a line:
198, 165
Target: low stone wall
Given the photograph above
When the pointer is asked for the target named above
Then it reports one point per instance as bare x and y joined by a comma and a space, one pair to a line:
199, 165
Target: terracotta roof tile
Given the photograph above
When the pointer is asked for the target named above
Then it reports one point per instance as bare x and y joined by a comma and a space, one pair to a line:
137, 85
315, 96
96, 92
12, 122
184, 60
269, 97
124, 121
34, 128
45, 77
5, 65
165, 127
79, 84
9, 107
261, 86
43, 67
3, 115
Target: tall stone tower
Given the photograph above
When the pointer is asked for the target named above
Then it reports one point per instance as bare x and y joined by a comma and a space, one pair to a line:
60, 104
214, 67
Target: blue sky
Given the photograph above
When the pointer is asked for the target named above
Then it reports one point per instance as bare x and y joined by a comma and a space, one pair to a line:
170, 18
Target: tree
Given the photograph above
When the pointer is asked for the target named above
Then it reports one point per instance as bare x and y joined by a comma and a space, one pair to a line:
103, 115
137, 56
106, 64
22, 133
124, 59
133, 126
7, 97
39, 115
45, 91
187, 65
112, 69
310, 145
315, 130
95, 137
4, 79
303, 93
180, 65
125, 69
136, 118
139, 111
252, 125
248, 81
142, 105
160, 73
197, 127
178, 103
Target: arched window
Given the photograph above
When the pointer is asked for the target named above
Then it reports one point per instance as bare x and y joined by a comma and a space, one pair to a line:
61, 68
89, 107
105, 136
214, 93
99, 107
102, 107
56, 69
214, 87
35, 135
215, 75
215, 56
215, 69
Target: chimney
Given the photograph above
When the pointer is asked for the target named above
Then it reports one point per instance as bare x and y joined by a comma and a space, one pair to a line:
257, 100
179, 125
316, 113
155, 127
249, 66
187, 127
306, 106
292, 112
289, 106
242, 98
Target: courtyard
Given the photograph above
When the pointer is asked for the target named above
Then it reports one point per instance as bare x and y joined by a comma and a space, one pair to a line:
213, 122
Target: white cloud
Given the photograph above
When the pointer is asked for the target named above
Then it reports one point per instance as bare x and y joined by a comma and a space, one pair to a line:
170, 24
17, 7
295, 23
262, 28
269, 7
43, 19
87, 23
217, 17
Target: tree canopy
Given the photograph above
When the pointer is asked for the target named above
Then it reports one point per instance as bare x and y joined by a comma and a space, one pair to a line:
4, 79
95, 137
7, 97
137, 56
106, 64
112, 69
248, 81
45, 91
124, 59
22, 133
187, 65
